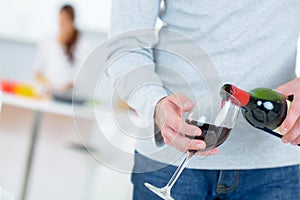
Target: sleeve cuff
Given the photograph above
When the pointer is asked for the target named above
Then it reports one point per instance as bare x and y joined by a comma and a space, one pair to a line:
144, 100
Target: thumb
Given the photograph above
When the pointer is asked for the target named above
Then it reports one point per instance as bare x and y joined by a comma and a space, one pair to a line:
183, 102
287, 89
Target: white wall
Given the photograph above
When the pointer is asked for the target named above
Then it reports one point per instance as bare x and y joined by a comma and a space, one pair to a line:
35, 18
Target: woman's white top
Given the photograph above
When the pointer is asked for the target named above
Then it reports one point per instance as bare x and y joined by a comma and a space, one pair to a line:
53, 63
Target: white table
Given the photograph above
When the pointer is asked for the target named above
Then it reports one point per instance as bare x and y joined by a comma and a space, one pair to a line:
48, 106
40, 107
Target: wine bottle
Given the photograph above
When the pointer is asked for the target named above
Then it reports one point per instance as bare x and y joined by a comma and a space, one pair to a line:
263, 108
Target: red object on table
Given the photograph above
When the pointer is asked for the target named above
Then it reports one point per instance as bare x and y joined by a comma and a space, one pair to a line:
18, 88
8, 86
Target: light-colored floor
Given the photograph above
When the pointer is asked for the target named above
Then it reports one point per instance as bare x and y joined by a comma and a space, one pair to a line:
60, 170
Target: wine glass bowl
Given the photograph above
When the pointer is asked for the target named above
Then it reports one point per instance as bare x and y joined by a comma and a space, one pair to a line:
213, 135
215, 116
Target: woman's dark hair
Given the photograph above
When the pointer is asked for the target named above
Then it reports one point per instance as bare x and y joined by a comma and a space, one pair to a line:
68, 9
71, 43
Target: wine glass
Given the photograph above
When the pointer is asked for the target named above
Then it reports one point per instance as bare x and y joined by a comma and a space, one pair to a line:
215, 116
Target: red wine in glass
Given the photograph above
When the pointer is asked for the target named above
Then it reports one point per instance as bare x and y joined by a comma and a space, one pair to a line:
213, 135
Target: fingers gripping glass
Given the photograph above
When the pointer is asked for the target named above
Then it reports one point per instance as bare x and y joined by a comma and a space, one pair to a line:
215, 117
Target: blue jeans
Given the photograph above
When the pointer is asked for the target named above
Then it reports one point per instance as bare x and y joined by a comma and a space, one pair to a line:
259, 184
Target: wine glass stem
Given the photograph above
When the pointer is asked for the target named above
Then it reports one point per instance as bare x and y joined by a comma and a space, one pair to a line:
180, 169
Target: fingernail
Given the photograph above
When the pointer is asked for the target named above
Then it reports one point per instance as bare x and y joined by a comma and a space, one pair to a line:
284, 130
200, 146
196, 132
186, 105
285, 141
293, 143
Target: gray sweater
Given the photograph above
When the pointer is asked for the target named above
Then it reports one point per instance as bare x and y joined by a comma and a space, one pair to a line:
204, 44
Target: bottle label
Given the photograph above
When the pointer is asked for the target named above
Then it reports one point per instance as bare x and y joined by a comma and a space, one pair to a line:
277, 130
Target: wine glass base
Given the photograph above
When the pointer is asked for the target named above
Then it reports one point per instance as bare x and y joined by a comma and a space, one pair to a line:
161, 192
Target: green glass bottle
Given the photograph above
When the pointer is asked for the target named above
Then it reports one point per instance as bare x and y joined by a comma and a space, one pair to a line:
263, 108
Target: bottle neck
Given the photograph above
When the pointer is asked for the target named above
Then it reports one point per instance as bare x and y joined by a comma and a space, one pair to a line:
242, 96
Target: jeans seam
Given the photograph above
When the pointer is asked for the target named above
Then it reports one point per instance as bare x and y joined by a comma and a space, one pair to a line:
223, 189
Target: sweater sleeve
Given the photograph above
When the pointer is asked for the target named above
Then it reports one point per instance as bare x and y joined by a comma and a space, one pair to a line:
130, 57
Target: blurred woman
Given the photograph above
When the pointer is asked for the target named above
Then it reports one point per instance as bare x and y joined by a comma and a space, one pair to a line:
59, 58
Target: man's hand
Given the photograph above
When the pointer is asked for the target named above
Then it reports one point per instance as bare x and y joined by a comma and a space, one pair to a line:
291, 125
168, 117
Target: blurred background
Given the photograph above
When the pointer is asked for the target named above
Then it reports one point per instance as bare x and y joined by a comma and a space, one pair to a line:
25, 23
41, 153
